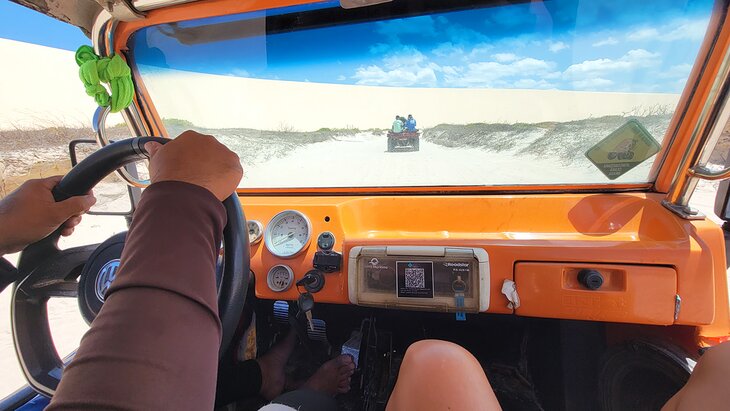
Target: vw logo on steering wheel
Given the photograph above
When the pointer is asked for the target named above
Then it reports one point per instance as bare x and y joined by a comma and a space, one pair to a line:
105, 277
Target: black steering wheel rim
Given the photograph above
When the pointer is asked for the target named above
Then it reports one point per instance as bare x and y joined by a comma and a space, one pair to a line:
47, 271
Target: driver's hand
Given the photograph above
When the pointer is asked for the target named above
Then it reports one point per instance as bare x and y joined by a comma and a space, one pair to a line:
196, 159
30, 213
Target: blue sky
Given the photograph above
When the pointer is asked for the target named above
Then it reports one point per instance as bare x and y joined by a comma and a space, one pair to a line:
621, 45
23, 24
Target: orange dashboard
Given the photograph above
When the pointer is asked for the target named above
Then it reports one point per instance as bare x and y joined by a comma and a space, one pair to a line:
655, 268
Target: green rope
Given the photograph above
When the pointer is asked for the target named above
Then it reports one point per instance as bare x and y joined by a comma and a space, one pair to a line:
93, 70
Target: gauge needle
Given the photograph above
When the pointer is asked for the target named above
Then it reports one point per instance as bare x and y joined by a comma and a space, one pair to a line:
285, 239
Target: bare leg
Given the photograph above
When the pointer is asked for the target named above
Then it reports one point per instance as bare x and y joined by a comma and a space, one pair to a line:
332, 378
272, 367
439, 375
709, 386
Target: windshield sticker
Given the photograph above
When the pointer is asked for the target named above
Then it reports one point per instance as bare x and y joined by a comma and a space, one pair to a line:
624, 149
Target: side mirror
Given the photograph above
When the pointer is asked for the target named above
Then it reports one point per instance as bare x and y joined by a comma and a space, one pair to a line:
722, 201
113, 196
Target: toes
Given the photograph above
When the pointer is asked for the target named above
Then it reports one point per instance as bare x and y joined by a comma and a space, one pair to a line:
344, 360
344, 386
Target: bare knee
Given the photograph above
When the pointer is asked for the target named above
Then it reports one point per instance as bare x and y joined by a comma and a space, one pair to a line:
441, 375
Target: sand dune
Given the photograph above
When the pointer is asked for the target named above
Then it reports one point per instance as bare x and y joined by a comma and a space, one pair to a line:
40, 87
216, 101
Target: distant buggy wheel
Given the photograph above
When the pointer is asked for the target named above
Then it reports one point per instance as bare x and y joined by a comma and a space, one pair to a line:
641, 376
390, 144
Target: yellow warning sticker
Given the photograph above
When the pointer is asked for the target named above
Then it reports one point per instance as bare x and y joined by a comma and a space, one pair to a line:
624, 149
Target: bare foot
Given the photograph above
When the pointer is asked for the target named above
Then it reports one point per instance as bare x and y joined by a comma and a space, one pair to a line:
333, 377
272, 367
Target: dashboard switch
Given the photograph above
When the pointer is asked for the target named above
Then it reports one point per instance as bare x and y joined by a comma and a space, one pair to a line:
326, 241
327, 261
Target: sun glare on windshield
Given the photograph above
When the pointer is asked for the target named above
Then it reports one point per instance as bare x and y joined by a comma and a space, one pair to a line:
434, 94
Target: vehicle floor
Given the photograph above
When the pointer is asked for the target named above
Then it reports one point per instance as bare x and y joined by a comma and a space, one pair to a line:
502, 344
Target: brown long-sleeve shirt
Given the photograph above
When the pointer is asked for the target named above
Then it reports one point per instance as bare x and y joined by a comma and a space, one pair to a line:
154, 345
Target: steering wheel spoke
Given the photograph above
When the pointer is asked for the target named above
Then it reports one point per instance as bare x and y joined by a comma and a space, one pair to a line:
56, 275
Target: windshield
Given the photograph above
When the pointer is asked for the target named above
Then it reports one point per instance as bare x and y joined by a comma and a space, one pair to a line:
432, 93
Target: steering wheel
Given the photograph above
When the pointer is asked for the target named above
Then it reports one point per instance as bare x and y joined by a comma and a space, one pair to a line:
47, 271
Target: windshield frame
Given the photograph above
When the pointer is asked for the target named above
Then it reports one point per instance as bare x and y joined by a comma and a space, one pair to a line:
668, 166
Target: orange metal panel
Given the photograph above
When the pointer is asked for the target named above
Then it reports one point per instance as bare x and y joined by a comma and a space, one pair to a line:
628, 229
635, 293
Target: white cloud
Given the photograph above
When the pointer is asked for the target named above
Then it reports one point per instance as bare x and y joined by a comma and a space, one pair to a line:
404, 57
448, 50
680, 29
496, 74
405, 67
341, 78
679, 71
689, 30
648, 33
605, 42
377, 76
557, 46
638, 58
504, 57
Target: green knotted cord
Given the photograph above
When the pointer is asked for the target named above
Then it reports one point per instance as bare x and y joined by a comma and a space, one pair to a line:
93, 70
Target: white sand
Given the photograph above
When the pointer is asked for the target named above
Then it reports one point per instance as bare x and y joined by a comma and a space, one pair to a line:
40, 87
216, 101
362, 160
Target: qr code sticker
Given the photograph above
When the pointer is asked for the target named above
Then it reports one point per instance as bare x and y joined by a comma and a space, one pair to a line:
415, 277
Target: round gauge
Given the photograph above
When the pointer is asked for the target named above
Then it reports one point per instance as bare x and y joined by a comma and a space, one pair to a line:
255, 231
288, 233
280, 278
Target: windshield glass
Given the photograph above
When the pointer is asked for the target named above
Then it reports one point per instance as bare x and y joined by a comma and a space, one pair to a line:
432, 93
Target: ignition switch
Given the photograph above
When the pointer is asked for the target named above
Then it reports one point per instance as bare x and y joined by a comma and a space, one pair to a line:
590, 279
313, 281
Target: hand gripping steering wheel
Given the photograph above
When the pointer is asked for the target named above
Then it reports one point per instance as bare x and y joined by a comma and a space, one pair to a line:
48, 272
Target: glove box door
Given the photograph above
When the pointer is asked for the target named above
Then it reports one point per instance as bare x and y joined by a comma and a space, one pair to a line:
641, 294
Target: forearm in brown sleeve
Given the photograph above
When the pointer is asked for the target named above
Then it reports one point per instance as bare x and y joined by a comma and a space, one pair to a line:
154, 345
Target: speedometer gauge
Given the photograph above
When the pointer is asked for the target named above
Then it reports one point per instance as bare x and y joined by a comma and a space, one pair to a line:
288, 233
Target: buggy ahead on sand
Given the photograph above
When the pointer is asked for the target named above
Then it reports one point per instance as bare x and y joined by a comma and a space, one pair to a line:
403, 141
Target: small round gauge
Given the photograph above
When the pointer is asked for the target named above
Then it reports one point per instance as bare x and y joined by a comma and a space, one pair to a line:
255, 231
280, 278
288, 233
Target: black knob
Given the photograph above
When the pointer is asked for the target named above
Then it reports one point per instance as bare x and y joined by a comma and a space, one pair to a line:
326, 241
591, 279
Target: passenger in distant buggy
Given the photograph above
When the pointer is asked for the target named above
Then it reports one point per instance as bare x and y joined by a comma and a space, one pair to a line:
411, 124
